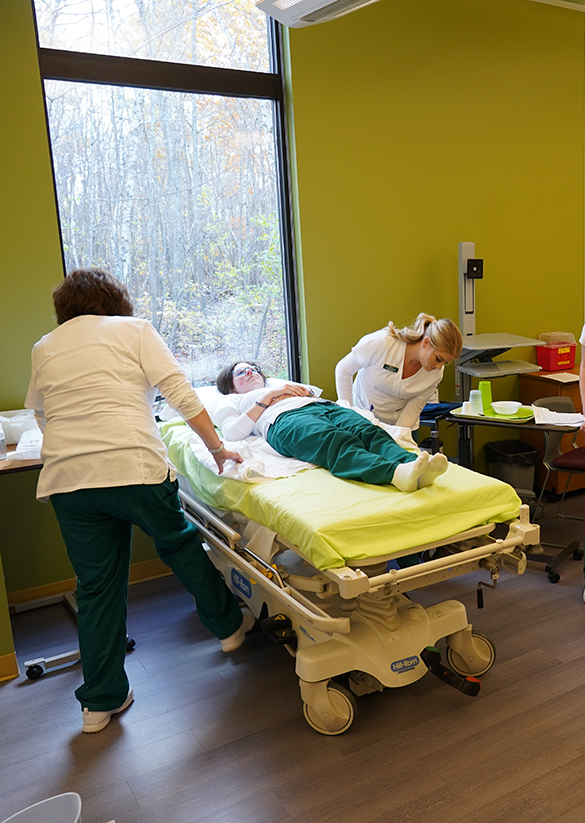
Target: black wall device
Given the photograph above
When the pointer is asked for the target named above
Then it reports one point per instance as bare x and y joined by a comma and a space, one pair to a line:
474, 269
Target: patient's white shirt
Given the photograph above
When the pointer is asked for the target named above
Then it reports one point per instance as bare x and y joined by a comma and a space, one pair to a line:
379, 387
93, 383
230, 415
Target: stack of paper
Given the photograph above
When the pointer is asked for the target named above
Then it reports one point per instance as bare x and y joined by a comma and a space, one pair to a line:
552, 418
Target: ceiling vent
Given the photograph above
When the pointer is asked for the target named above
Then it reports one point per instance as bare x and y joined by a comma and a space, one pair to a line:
299, 13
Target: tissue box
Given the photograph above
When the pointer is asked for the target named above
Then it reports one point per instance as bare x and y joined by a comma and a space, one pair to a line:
556, 356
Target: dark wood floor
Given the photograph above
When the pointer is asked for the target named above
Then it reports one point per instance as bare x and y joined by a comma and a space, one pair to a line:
214, 738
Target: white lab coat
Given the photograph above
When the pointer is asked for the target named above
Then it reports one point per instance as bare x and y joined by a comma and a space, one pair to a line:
92, 387
378, 359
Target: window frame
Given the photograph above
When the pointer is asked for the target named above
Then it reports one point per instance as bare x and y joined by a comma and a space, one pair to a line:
82, 67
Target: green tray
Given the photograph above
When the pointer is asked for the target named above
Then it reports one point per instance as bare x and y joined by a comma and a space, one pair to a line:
523, 415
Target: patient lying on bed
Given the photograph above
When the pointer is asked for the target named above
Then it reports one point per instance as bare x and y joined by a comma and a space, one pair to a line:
298, 424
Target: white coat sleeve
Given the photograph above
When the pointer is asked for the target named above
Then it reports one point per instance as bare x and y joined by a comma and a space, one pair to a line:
344, 372
180, 395
410, 414
34, 400
233, 424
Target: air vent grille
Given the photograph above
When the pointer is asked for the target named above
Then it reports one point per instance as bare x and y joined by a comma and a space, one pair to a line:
335, 9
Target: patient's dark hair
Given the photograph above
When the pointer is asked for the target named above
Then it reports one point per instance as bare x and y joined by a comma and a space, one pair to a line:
225, 379
91, 291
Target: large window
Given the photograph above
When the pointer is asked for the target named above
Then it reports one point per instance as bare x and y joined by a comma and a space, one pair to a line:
172, 175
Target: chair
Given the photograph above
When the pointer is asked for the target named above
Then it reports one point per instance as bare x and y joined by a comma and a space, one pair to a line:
572, 461
431, 416
554, 459
63, 808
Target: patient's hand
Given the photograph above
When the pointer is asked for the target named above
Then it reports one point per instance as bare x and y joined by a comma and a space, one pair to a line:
223, 456
288, 390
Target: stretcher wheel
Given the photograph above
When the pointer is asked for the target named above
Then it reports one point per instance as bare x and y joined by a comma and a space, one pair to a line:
470, 667
345, 705
34, 672
578, 554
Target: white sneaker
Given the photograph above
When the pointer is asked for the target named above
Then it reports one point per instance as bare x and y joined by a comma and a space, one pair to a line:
235, 640
96, 721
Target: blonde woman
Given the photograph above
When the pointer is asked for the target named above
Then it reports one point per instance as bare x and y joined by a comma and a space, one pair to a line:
398, 370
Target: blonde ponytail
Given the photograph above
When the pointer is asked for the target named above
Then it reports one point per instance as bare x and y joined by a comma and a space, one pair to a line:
443, 334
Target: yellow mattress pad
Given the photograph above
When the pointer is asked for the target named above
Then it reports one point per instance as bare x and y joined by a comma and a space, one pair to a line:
336, 522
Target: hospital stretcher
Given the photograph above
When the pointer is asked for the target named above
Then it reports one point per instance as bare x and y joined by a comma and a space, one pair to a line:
310, 556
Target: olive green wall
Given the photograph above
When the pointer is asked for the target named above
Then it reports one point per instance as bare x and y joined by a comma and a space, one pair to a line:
30, 263
420, 124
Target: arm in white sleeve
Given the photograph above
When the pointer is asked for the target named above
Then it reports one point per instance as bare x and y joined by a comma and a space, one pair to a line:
34, 399
180, 395
410, 414
233, 425
344, 372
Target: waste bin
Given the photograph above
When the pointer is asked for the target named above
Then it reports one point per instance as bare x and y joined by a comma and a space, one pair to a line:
512, 461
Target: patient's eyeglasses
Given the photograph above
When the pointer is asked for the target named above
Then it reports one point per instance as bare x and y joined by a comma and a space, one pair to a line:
242, 372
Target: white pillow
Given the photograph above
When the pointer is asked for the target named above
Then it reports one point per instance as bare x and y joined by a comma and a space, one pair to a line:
211, 397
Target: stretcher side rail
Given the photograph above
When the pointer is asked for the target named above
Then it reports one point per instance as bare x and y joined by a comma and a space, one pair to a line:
521, 532
198, 515
469, 557
212, 521
351, 582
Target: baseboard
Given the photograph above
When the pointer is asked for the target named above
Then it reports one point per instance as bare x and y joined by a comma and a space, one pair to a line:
8, 667
148, 570
139, 572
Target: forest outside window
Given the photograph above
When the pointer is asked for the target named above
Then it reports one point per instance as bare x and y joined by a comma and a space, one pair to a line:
176, 185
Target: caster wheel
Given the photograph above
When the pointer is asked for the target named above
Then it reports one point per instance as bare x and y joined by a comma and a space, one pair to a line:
554, 577
536, 512
130, 643
476, 667
344, 704
34, 672
578, 554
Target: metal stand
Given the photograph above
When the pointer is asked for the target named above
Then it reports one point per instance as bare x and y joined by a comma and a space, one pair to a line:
479, 349
37, 667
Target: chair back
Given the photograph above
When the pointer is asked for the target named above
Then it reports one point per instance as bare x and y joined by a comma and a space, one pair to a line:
553, 439
64, 808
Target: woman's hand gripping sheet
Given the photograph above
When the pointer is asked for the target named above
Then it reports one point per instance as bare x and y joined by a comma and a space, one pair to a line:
259, 462
202, 425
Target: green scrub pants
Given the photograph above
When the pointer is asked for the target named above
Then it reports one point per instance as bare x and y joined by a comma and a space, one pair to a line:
339, 439
96, 525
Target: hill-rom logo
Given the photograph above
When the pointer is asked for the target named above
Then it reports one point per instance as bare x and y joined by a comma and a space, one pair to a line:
242, 583
405, 665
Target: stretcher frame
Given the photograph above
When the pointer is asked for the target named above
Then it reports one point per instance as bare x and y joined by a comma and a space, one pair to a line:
357, 622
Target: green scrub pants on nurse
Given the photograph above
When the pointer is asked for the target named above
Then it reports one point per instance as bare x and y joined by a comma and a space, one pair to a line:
340, 440
96, 525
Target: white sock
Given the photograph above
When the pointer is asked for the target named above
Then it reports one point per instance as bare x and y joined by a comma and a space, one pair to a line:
406, 474
438, 464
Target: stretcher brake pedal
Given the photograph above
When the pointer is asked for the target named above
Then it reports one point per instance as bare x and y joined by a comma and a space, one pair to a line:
431, 657
279, 629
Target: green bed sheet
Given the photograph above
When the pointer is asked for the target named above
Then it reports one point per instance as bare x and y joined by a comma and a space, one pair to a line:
334, 522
